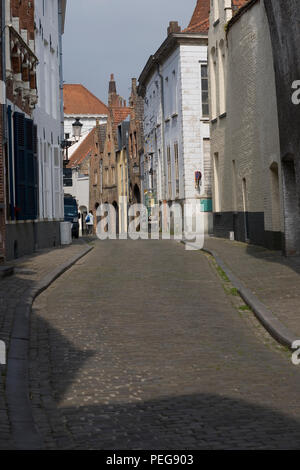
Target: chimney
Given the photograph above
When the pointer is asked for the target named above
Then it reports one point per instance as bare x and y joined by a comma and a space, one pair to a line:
174, 27
112, 85
133, 85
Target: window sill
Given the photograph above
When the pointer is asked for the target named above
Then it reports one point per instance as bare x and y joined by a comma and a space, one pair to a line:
223, 115
174, 115
167, 120
213, 121
215, 23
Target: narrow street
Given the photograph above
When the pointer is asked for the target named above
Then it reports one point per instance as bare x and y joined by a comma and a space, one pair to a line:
138, 346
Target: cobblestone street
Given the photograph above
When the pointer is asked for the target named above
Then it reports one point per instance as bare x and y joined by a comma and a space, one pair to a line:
138, 346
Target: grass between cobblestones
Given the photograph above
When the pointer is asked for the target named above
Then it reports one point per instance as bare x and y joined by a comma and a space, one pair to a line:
245, 311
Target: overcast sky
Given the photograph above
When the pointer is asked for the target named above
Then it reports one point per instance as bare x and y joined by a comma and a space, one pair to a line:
116, 36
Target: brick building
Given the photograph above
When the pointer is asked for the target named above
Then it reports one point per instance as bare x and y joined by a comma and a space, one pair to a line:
254, 183
136, 143
117, 112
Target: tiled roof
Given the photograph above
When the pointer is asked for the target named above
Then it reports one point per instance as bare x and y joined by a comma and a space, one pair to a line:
200, 19
238, 3
79, 100
119, 114
83, 150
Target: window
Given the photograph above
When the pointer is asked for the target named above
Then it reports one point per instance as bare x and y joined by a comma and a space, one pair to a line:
26, 168
204, 90
95, 177
67, 177
175, 89
101, 176
213, 90
215, 8
113, 175
176, 168
216, 182
221, 77
169, 172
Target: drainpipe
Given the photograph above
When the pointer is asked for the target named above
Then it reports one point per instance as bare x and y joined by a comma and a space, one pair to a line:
164, 192
60, 29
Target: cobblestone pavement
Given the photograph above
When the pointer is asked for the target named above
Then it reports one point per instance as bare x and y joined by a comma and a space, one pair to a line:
272, 277
138, 346
28, 270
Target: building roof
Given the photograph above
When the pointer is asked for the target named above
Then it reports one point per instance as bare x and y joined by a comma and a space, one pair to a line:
78, 100
200, 20
83, 150
239, 8
119, 114
238, 3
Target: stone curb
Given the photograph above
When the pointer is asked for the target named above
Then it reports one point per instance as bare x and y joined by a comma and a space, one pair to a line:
276, 329
24, 432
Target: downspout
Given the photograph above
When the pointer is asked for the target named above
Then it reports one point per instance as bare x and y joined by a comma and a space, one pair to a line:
61, 87
162, 95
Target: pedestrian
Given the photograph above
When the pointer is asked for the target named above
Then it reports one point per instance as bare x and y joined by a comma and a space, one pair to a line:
89, 221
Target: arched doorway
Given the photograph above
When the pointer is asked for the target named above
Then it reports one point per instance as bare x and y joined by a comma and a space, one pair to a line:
136, 194
291, 207
83, 214
115, 204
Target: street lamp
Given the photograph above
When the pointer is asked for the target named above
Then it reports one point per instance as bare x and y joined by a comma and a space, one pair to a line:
77, 126
65, 144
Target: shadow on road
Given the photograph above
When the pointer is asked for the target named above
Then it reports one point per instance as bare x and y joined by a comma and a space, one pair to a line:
185, 421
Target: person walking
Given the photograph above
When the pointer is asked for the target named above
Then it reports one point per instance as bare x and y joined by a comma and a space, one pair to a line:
89, 221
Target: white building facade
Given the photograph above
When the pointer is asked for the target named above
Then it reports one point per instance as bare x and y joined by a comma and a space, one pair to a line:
34, 206
49, 19
174, 85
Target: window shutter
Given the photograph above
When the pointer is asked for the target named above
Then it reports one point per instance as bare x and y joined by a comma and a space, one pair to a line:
20, 165
26, 173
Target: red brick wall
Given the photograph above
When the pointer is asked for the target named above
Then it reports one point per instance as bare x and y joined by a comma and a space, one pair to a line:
24, 11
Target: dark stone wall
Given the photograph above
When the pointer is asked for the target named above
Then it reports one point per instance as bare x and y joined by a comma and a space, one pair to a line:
225, 222
284, 23
24, 238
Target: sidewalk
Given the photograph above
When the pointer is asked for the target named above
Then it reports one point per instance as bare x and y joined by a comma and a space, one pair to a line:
31, 274
270, 276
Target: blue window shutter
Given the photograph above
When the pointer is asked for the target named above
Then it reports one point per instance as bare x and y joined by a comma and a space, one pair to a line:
25, 167
20, 165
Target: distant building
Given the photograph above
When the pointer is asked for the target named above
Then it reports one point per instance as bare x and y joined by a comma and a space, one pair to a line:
80, 103
135, 144
122, 164
77, 171
174, 85
118, 111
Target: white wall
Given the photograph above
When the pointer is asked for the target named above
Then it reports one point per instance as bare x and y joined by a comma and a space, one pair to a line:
47, 112
183, 123
88, 122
